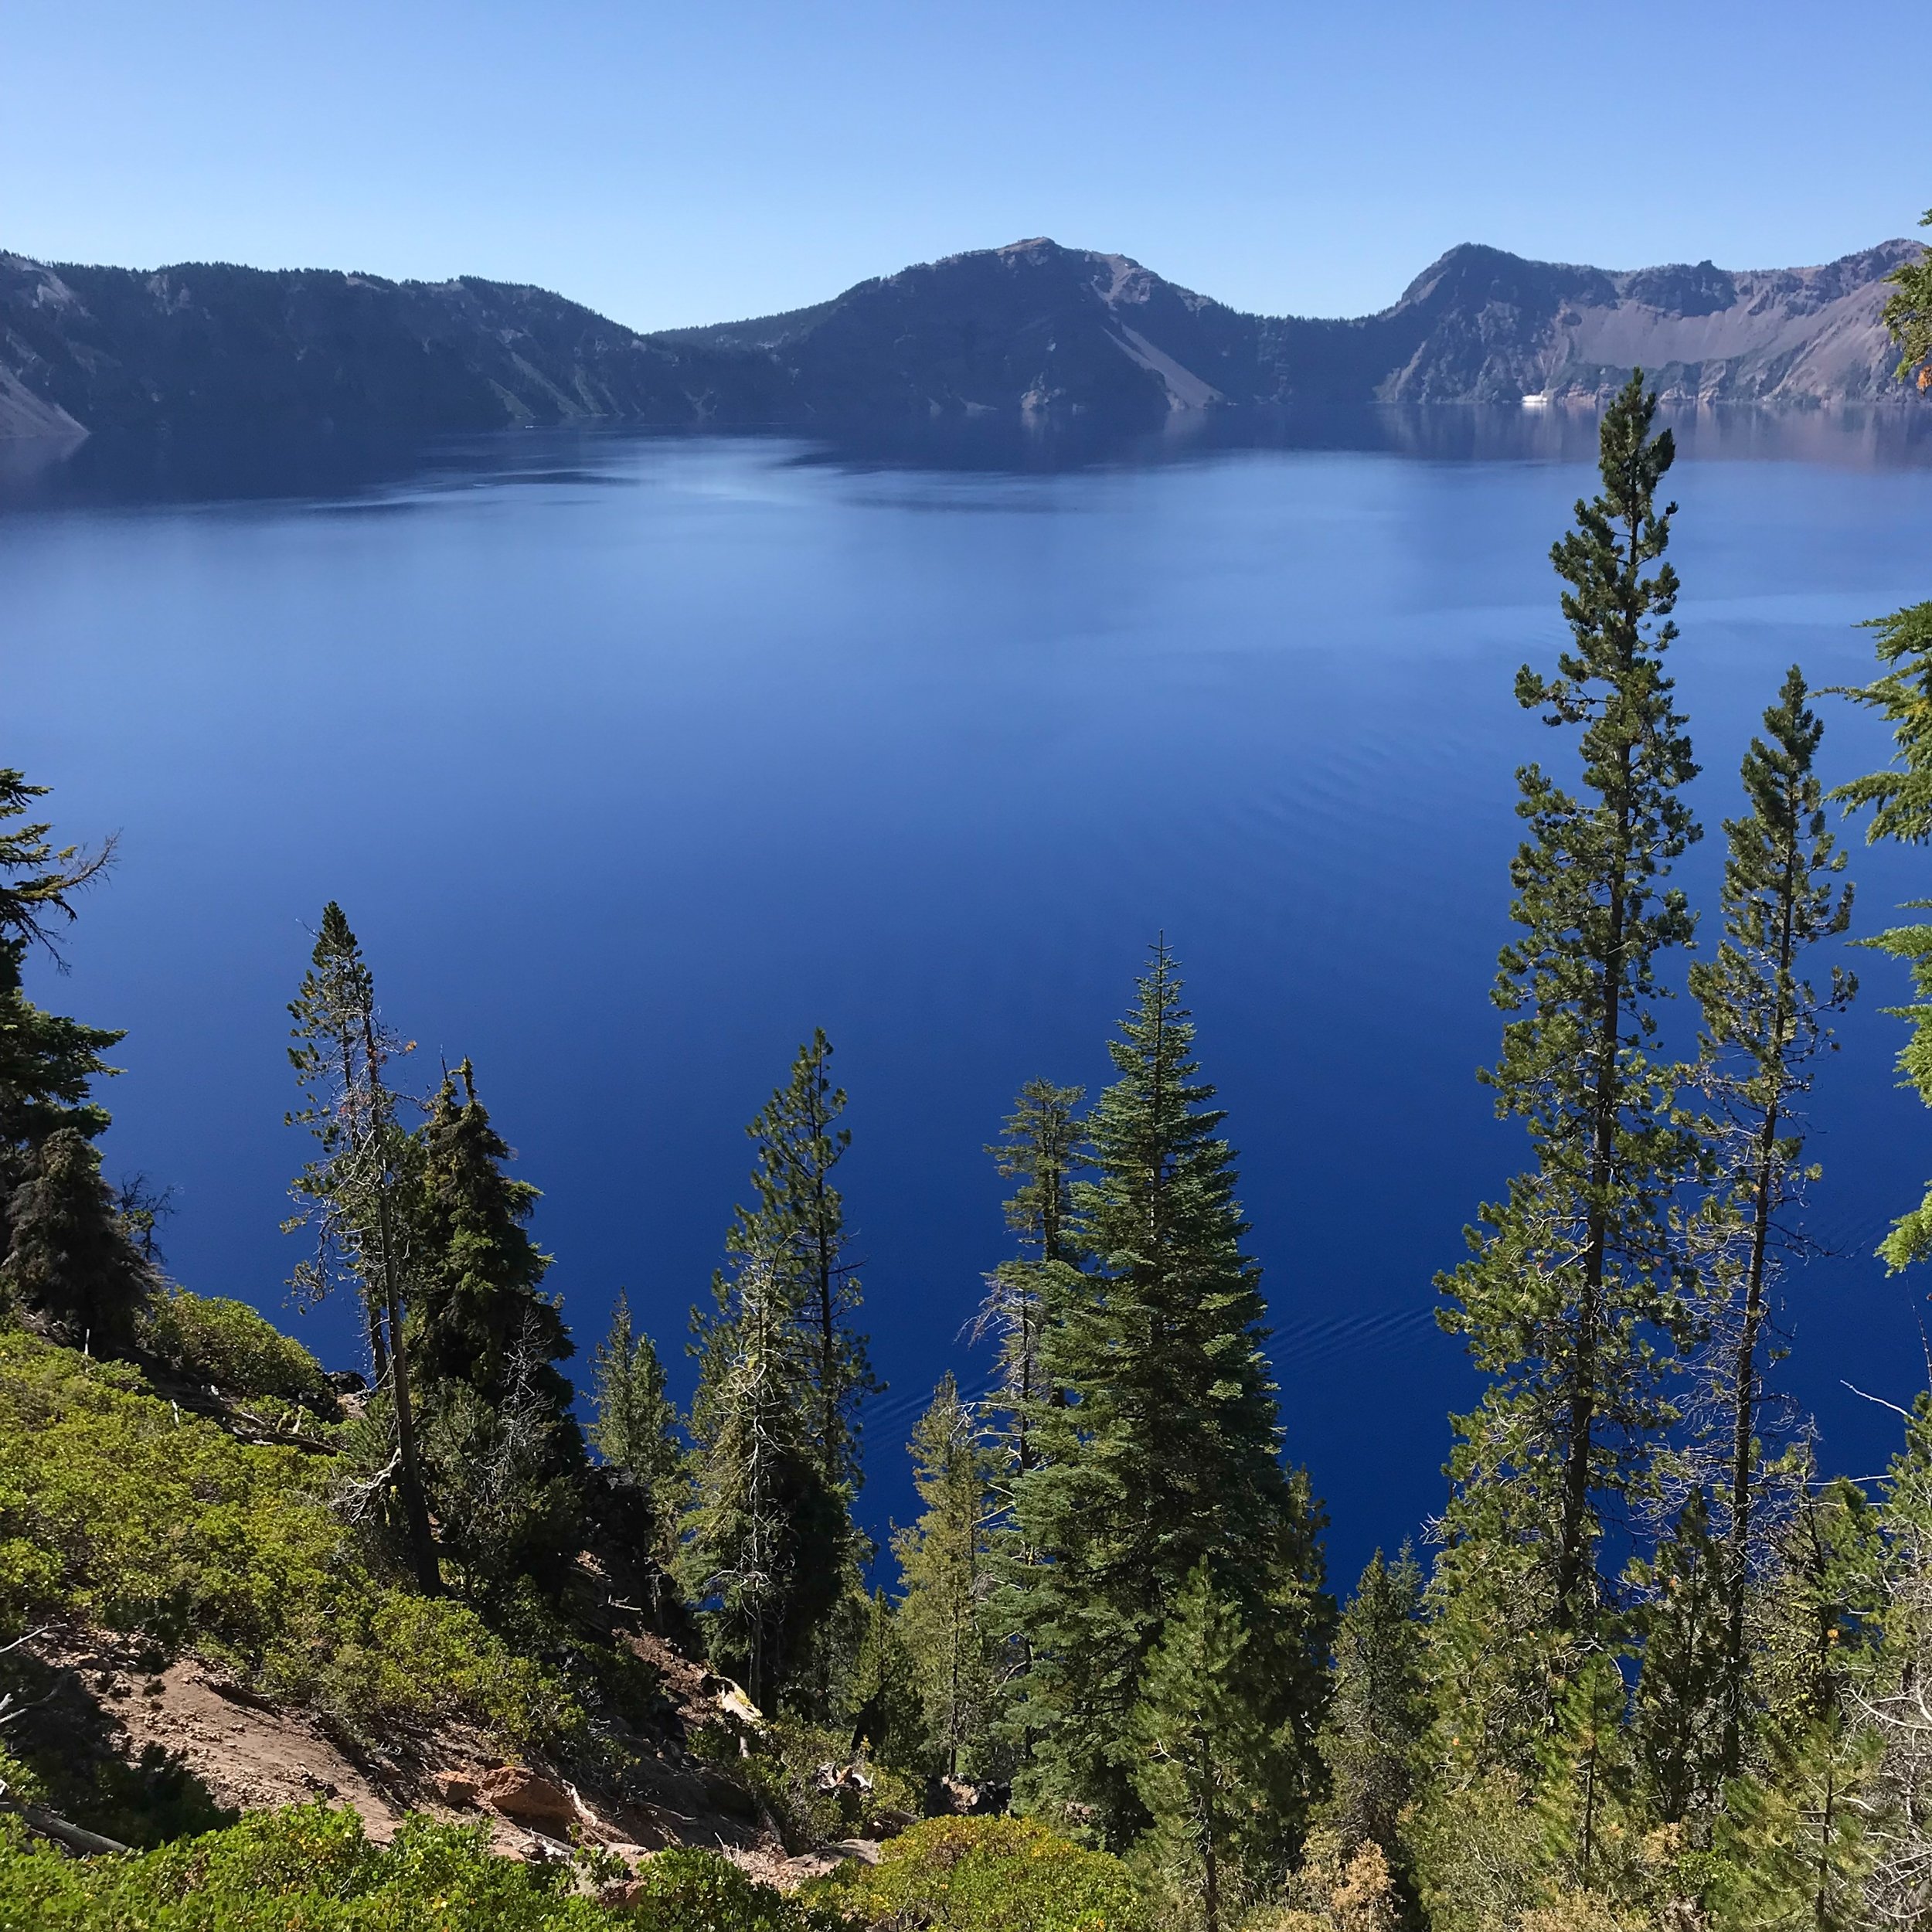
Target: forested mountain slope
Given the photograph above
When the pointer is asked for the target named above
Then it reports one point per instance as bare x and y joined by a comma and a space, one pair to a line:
1031, 326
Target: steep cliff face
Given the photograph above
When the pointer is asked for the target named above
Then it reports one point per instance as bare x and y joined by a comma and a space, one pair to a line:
1483, 326
1030, 328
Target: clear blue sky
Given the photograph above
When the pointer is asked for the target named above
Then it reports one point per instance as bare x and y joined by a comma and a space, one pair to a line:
689, 163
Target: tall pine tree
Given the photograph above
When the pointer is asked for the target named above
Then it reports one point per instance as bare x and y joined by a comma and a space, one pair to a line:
1042, 1147
503, 1451
1166, 1454
943, 1558
768, 1549
69, 1258
1764, 1023
799, 1223
1573, 1282
793, 1278
356, 1199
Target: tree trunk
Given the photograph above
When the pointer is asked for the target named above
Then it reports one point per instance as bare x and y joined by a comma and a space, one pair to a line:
415, 1510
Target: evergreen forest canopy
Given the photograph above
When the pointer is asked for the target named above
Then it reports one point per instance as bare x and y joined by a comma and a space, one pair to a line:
1647, 1669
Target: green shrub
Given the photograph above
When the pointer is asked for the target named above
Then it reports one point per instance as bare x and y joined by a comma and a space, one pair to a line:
118, 1511
988, 1875
686, 1891
227, 1344
311, 1869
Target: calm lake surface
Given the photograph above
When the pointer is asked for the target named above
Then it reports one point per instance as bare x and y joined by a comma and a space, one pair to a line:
633, 760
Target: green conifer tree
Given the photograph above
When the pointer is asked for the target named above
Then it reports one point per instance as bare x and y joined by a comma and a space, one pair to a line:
889, 1715
943, 1617
1795, 1843
69, 1257
1682, 1704
1573, 1282
1373, 1738
1202, 1746
767, 1552
1166, 1453
637, 1429
800, 1223
793, 1244
1764, 1023
1042, 1147
1586, 1797
48, 1063
1900, 800
479, 1313
356, 1197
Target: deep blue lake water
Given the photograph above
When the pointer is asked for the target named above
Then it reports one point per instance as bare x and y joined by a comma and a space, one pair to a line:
633, 760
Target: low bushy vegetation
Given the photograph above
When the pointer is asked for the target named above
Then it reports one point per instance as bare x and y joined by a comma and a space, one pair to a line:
118, 1511
227, 1346
988, 1875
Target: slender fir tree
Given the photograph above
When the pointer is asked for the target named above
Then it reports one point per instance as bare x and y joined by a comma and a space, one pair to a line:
1203, 1751
478, 1299
1042, 1147
1167, 1451
767, 1552
1572, 1284
1373, 1738
356, 1198
1586, 1796
1682, 1704
799, 1222
943, 1617
1764, 1024
637, 1429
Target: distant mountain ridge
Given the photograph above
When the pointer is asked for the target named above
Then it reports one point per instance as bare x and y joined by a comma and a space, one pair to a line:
1031, 327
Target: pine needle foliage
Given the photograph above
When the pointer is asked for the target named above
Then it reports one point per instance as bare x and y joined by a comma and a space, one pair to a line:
637, 1429
48, 1063
1900, 801
799, 1226
1203, 1773
1908, 314
69, 1259
355, 1197
1373, 1740
479, 1307
768, 1543
1166, 1452
1765, 1024
1573, 1287
943, 1617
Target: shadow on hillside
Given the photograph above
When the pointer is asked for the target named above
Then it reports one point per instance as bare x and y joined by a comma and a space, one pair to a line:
72, 1740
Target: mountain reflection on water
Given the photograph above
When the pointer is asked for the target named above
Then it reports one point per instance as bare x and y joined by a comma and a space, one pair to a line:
107, 471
